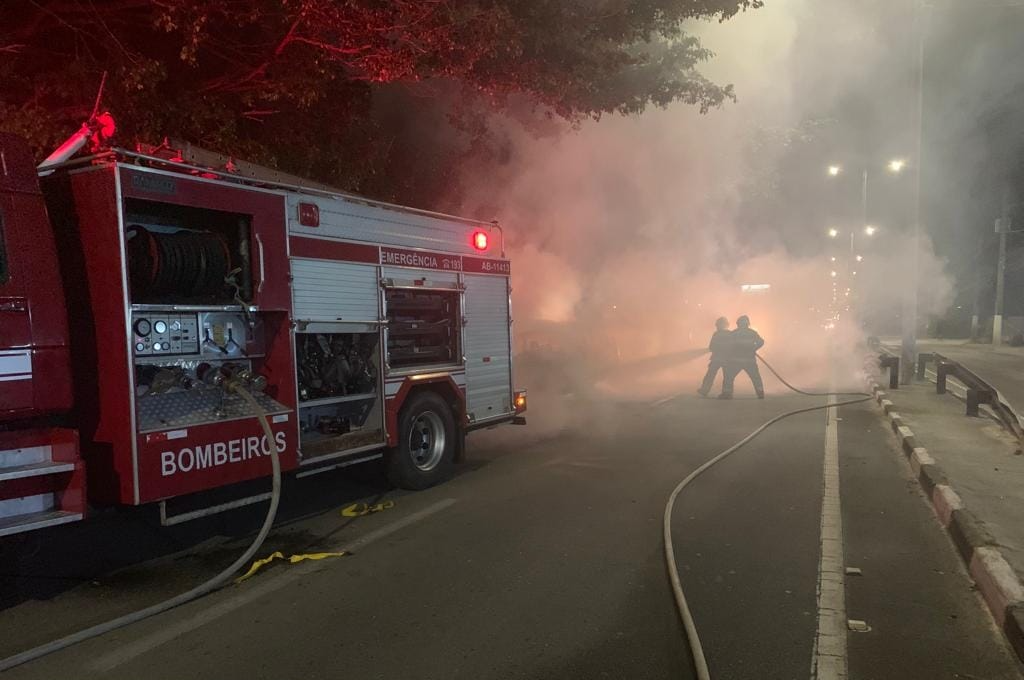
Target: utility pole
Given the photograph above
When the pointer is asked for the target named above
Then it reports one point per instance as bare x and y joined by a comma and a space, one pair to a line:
908, 350
1003, 227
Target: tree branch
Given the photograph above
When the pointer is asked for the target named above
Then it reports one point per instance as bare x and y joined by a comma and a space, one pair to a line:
258, 72
334, 49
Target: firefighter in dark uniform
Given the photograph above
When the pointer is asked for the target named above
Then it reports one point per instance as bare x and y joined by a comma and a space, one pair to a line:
743, 345
718, 355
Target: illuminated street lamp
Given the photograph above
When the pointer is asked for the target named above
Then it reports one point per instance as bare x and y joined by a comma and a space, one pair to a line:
895, 167
870, 230
860, 258
833, 232
834, 274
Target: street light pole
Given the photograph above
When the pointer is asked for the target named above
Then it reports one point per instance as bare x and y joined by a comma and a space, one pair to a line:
1003, 226
976, 303
908, 353
864, 199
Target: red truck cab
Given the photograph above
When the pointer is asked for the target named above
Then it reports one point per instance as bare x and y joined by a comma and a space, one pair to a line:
41, 474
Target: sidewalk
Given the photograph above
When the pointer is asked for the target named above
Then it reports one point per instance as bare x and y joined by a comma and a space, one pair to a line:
969, 469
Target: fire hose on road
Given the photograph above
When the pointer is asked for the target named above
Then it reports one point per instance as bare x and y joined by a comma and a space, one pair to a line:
227, 574
237, 387
692, 638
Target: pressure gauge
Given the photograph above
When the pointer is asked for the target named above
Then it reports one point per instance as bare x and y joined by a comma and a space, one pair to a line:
143, 327
160, 327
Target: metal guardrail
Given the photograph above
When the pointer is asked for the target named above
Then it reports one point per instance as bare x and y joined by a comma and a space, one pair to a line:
978, 391
886, 360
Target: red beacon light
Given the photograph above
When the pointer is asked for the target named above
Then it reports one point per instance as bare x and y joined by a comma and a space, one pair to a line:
480, 239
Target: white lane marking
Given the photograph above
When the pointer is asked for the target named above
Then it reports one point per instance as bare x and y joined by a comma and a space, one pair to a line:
132, 650
829, 661
667, 399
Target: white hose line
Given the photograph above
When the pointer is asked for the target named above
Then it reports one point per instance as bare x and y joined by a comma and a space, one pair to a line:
197, 592
693, 639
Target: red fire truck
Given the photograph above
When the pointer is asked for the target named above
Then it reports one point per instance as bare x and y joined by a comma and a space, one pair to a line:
134, 282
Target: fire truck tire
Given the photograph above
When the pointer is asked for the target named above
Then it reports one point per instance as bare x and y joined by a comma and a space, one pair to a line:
425, 454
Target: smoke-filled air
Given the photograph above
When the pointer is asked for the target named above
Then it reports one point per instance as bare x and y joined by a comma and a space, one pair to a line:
630, 236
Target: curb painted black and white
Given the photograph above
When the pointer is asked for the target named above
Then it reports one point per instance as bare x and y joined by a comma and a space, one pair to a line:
998, 584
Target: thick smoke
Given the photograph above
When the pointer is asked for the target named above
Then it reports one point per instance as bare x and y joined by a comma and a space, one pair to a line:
624, 234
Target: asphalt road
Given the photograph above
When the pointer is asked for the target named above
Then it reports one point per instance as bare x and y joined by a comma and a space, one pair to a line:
543, 559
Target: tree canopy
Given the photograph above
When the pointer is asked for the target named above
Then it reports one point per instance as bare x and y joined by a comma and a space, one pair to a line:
299, 83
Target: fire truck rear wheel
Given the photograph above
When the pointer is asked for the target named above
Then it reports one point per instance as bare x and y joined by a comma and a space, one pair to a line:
425, 454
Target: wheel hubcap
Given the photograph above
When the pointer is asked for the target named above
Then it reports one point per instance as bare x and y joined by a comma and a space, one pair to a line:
426, 441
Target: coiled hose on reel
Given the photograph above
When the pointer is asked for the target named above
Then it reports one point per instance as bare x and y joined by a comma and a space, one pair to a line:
692, 638
188, 263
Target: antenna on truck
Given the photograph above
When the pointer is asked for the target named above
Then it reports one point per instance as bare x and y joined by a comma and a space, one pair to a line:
98, 128
99, 97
